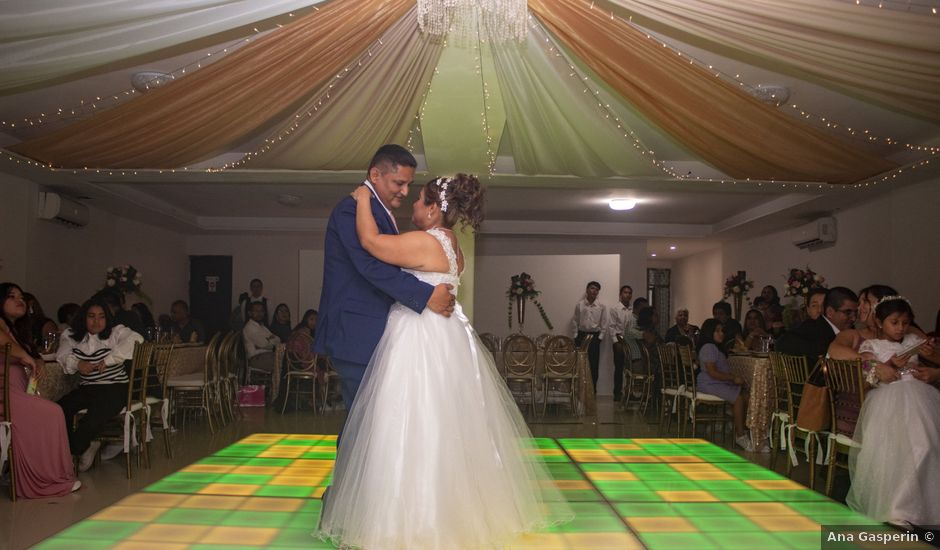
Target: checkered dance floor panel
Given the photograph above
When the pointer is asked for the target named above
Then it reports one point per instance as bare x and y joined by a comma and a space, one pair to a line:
264, 491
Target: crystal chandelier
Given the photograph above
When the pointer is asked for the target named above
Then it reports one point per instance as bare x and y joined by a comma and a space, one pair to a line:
497, 20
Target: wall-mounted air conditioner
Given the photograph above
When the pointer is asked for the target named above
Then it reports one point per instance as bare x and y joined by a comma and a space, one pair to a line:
55, 207
815, 234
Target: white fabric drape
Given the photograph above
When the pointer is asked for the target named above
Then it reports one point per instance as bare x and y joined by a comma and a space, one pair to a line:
889, 57
554, 125
46, 40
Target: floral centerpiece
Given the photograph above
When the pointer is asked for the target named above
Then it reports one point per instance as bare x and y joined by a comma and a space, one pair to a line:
800, 282
126, 279
737, 287
522, 288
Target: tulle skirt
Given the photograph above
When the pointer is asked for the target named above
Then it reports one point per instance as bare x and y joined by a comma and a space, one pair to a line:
896, 472
434, 451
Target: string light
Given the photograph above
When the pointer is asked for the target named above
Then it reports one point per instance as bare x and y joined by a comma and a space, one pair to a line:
896, 5
864, 133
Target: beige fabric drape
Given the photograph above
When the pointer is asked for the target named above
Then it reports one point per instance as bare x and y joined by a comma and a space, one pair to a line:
726, 127
887, 56
225, 102
375, 104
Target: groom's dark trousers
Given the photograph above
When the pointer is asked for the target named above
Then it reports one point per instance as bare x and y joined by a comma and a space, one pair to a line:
350, 375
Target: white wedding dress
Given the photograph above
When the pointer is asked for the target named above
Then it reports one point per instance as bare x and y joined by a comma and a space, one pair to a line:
896, 472
434, 452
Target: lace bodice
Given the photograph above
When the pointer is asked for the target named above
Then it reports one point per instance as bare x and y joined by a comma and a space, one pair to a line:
451, 277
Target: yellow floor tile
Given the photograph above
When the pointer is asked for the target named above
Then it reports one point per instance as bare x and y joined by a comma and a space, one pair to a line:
651, 441
663, 524
170, 532
130, 513
313, 463
539, 541
546, 452
611, 476
318, 492
290, 452
637, 459
687, 496
775, 484
243, 536
683, 458
603, 541
229, 489
696, 441
764, 509
306, 437
208, 468
621, 447
693, 467
153, 499
131, 545
265, 504
572, 484
213, 502
785, 523
262, 470
299, 481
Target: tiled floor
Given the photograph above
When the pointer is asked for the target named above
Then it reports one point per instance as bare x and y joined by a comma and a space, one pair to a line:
264, 490
28, 522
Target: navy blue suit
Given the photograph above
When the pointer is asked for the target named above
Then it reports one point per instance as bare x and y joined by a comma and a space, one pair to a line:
358, 291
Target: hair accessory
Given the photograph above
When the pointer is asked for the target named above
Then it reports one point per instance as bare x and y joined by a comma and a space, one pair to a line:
891, 298
442, 183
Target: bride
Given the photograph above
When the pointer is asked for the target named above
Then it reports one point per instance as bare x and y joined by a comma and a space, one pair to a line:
434, 452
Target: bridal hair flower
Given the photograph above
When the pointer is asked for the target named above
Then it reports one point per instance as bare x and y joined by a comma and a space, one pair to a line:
891, 299
442, 184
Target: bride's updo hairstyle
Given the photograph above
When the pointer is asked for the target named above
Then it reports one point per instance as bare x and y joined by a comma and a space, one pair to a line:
460, 199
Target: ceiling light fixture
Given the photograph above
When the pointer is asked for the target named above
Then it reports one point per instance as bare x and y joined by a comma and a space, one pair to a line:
672, 247
622, 204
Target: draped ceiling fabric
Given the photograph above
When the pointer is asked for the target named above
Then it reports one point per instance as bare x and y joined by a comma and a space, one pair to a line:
220, 105
729, 129
521, 99
42, 41
892, 58
373, 105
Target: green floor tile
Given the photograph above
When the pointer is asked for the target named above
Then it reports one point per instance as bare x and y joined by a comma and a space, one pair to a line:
303, 521
747, 495
723, 523
102, 530
245, 479
564, 471
183, 487
747, 540
724, 485
707, 509
273, 462
581, 495
283, 491
192, 477
602, 467
796, 495
65, 543
633, 496
320, 455
671, 541
672, 485
242, 518
645, 509
194, 516
224, 460
296, 538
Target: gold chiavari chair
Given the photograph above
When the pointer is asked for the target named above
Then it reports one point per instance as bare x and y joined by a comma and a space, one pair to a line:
672, 387
796, 371
519, 355
6, 421
781, 417
701, 406
846, 383
560, 360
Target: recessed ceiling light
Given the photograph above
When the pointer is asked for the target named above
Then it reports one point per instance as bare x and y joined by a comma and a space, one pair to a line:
622, 204
653, 254
672, 247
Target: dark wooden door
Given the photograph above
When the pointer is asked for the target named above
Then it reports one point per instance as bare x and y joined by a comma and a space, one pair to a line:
210, 291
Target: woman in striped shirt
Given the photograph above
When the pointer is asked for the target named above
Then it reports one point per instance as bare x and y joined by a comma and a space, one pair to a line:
96, 348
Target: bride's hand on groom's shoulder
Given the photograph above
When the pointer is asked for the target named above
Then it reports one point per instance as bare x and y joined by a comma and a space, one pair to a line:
361, 193
441, 300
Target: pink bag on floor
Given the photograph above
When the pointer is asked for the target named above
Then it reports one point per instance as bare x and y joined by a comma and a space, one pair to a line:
251, 396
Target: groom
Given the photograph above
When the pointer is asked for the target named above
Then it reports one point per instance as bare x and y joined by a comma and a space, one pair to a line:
358, 289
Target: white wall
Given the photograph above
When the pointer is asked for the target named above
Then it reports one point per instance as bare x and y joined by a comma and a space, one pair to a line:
561, 280
892, 240
61, 264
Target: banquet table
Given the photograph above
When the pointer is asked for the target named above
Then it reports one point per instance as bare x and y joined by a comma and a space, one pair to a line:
756, 371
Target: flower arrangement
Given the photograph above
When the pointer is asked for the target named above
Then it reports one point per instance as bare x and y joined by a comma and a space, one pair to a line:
801, 281
737, 285
522, 288
125, 278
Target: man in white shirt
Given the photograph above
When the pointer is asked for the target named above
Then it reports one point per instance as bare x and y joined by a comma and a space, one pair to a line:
621, 320
590, 318
259, 341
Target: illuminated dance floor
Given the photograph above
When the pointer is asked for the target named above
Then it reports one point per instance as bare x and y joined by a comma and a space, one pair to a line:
264, 491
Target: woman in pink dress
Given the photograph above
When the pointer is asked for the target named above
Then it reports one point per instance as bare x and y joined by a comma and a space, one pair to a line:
43, 465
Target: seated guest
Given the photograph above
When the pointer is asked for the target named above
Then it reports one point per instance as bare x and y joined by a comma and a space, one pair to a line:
771, 309
646, 324
280, 325
256, 295
114, 299
259, 341
754, 330
66, 313
299, 345
43, 465
715, 377
96, 347
143, 313
721, 311
814, 305
35, 325
185, 329
812, 338
682, 332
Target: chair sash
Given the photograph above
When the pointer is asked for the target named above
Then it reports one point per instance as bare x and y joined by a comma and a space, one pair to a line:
820, 459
